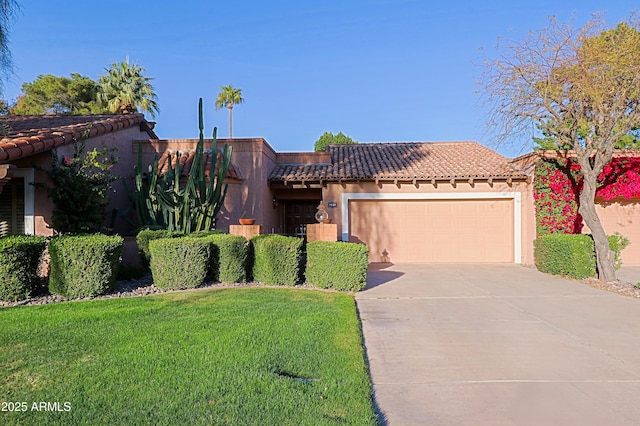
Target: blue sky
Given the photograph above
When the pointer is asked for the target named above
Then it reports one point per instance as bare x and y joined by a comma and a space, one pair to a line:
376, 70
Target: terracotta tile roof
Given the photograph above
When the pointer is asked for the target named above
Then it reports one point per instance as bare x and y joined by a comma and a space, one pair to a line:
186, 161
403, 161
32, 134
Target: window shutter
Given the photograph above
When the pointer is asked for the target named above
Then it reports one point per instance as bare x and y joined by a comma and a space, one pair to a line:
12, 208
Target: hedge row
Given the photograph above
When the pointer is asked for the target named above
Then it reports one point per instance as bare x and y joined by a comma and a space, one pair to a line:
572, 255
19, 260
268, 259
87, 265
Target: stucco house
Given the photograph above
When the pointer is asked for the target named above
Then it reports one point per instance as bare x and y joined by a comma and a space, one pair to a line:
409, 201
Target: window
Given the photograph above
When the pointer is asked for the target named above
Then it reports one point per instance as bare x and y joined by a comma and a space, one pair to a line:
12, 207
17, 204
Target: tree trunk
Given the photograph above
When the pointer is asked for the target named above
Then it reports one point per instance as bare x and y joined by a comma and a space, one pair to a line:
604, 256
230, 106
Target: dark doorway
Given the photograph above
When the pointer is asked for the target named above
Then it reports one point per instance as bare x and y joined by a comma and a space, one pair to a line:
297, 214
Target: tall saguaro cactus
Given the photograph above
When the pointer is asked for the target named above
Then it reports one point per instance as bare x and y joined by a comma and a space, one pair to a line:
187, 205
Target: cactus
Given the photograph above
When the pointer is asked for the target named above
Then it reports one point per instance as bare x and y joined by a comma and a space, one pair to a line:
163, 203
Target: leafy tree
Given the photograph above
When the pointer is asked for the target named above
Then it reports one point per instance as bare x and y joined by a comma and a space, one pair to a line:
58, 95
125, 89
79, 188
229, 96
8, 9
582, 87
548, 142
328, 138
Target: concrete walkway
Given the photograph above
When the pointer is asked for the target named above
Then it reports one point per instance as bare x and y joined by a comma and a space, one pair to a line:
499, 345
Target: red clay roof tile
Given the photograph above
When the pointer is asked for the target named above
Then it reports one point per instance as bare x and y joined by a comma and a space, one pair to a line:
403, 161
32, 134
186, 162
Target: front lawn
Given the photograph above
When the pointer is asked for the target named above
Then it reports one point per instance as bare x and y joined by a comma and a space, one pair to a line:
223, 357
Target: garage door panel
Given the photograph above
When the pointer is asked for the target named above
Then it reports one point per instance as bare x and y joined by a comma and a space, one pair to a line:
434, 230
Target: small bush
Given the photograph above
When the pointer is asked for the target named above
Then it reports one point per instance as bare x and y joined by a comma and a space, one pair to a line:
617, 243
228, 256
84, 265
19, 259
337, 265
573, 255
146, 235
276, 259
179, 263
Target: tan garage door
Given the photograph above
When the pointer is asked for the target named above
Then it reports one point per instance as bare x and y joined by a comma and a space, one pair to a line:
622, 216
434, 230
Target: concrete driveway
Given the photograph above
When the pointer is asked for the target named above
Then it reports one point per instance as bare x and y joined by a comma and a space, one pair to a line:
499, 345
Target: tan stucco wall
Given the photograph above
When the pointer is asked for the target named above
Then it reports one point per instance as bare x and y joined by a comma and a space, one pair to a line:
623, 216
334, 191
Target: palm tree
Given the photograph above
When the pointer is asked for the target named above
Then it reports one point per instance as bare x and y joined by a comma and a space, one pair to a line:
124, 89
229, 96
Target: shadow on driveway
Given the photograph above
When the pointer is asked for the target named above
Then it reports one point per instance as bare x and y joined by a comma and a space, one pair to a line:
377, 275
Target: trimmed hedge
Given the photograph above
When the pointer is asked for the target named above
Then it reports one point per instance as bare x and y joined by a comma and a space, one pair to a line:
229, 254
276, 259
572, 255
179, 263
337, 265
19, 260
84, 265
146, 235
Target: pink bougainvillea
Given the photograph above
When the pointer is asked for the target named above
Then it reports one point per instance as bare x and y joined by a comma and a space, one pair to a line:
557, 186
620, 179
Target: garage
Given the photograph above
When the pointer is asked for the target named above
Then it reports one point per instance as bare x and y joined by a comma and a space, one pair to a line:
435, 230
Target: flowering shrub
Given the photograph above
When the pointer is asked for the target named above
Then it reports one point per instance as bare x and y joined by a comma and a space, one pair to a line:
620, 178
557, 185
79, 188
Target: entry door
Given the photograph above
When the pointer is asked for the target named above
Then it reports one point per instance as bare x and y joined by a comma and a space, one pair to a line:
297, 214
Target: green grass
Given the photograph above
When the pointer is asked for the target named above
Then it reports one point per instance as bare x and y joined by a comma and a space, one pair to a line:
223, 357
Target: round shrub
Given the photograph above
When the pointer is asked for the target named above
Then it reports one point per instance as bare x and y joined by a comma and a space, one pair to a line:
84, 265
19, 260
179, 263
